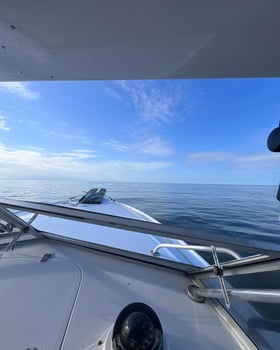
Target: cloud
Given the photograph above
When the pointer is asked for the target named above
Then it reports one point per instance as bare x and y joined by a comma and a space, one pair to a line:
210, 157
19, 89
153, 105
75, 164
69, 136
77, 155
112, 92
152, 146
41, 159
144, 166
155, 146
3, 123
151, 101
257, 161
116, 145
254, 161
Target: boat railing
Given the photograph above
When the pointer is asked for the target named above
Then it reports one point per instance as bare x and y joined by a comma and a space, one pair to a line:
197, 248
271, 296
13, 225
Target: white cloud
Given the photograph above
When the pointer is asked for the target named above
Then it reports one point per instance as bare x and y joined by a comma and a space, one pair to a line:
69, 136
75, 164
142, 166
155, 146
77, 155
116, 145
153, 105
254, 161
3, 123
20, 89
112, 92
210, 157
152, 146
151, 102
40, 159
258, 161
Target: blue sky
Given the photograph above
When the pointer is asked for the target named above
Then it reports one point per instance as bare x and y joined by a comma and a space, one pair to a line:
188, 131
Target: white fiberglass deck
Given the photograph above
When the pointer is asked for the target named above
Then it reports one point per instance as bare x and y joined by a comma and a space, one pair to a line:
72, 300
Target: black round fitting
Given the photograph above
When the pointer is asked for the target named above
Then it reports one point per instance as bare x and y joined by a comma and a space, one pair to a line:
137, 327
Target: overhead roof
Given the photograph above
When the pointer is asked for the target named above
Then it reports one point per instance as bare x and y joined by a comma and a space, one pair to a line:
147, 39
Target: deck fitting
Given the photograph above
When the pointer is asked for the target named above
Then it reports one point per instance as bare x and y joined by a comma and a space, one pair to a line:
191, 293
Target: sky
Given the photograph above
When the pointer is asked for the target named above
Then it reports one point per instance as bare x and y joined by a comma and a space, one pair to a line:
172, 131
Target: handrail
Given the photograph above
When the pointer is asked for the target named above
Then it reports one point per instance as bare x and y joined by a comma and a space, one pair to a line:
17, 221
25, 229
254, 295
243, 266
198, 248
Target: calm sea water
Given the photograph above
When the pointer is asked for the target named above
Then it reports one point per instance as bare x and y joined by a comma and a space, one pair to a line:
231, 209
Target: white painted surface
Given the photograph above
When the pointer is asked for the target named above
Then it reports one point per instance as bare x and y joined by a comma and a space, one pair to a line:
36, 299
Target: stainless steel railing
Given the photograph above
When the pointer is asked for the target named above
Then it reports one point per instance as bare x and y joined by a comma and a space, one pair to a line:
254, 295
197, 248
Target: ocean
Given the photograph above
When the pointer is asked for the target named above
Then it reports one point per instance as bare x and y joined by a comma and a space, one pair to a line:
229, 209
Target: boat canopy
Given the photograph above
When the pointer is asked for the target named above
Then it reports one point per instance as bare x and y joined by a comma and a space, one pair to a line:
159, 39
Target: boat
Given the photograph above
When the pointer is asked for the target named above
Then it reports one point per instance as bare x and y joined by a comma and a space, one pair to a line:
91, 273
100, 265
